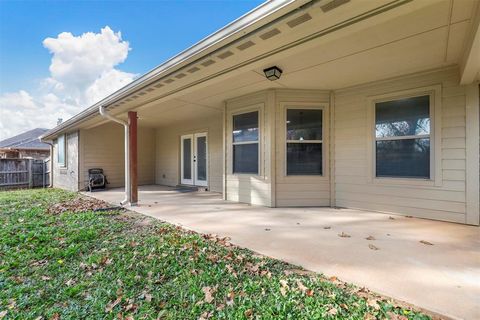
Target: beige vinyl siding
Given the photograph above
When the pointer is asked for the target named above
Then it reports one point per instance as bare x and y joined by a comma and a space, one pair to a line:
103, 147
168, 150
66, 177
301, 191
354, 185
252, 188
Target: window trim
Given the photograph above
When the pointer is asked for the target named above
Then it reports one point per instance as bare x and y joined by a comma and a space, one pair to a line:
288, 107
325, 141
254, 108
435, 136
64, 164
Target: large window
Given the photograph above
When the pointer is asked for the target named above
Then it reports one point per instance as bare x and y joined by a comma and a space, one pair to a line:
304, 141
61, 154
245, 143
402, 134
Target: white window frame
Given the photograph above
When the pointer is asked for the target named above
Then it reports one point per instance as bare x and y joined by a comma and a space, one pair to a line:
259, 139
64, 164
435, 179
285, 115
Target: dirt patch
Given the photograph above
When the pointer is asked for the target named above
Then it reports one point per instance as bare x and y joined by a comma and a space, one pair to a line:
79, 204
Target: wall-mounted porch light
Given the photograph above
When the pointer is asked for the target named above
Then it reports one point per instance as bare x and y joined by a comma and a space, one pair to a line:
273, 73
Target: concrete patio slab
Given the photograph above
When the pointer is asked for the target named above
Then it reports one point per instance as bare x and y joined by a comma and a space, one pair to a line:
443, 277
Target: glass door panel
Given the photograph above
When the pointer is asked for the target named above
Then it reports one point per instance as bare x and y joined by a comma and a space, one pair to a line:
200, 159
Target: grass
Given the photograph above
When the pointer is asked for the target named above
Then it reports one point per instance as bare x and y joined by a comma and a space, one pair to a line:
126, 266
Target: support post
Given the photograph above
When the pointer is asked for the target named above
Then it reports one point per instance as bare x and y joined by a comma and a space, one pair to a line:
132, 141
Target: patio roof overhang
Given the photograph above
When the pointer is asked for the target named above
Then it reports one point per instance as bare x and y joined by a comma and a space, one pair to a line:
317, 48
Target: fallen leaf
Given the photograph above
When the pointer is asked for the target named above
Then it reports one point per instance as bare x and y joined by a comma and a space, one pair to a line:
301, 286
426, 243
391, 218
55, 316
373, 303
70, 282
327, 227
344, 235
394, 316
230, 298
371, 246
333, 278
332, 311
248, 313
267, 229
208, 292
112, 304
309, 292
45, 278
370, 238
369, 316
148, 297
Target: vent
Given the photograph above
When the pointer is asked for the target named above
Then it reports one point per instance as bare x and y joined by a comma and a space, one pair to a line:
269, 34
150, 89
225, 54
134, 97
159, 85
208, 63
121, 102
246, 45
142, 93
180, 75
332, 5
299, 20
128, 99
193, 70
169, 80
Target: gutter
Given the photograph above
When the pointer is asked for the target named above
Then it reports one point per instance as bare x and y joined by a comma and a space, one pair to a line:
238, 28
128, 191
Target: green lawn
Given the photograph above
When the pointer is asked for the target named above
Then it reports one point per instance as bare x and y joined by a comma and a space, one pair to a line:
126, 266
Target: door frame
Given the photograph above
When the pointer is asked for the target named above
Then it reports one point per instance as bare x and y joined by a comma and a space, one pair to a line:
197, 182
182, 180
193, 163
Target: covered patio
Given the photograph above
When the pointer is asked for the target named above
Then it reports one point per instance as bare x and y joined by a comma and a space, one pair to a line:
433, 265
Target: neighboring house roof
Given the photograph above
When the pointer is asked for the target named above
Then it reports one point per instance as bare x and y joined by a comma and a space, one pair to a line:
26, 140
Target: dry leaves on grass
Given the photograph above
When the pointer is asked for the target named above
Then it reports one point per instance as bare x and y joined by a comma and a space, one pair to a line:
79, 204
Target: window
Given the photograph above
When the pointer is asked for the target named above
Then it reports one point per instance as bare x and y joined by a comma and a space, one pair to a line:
304, 141
402, 138
245, 143
61, 154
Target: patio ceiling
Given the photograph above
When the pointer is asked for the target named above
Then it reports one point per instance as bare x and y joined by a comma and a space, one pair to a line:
415, 36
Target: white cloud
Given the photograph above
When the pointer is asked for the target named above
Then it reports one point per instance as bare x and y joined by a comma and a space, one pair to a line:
82, 72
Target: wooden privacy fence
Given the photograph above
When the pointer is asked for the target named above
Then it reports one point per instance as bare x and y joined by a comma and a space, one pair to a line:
24, 173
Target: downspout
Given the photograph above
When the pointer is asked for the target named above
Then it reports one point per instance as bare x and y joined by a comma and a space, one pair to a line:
104, 113
50, 184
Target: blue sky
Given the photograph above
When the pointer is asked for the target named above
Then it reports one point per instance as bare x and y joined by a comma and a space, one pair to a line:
59, 57
156, 30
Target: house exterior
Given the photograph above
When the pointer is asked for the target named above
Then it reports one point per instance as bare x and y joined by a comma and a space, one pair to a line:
374, 105
25, 145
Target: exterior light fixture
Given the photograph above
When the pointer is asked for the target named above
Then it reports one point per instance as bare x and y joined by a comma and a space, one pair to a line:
273, 73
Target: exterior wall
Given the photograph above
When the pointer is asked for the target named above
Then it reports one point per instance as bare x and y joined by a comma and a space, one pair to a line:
168, 151
301, 191
254, 189
443, 199
103, 147
67, 177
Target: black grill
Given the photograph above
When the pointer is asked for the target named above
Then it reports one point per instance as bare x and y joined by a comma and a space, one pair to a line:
96, 179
